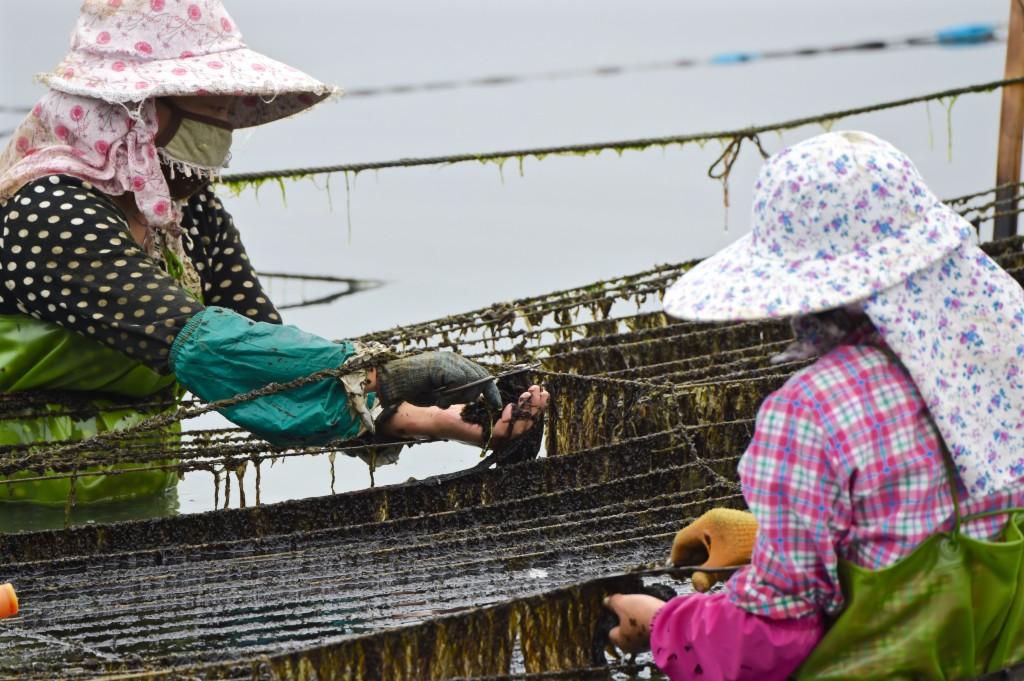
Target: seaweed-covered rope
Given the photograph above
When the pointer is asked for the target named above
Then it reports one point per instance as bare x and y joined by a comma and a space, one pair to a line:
228, 448
966, 212
454, 330
199, 450
195, 409
622, 287
181, 413
636, 144
203, 449
1000, 214
967, 197
223, 455
566, 625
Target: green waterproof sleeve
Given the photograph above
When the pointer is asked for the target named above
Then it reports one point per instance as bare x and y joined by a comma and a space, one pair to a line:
220, 354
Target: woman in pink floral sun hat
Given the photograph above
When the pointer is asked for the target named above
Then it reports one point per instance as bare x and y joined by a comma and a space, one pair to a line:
123, 274
864, 465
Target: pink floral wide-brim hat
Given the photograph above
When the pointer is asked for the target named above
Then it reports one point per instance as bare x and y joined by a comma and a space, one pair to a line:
127, 51
835, 219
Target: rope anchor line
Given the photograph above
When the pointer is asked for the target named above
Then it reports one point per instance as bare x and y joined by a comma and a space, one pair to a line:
133, 441
721, 169
953, 36
970, 34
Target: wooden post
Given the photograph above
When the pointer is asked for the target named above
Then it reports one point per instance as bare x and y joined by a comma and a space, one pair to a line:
1011, 127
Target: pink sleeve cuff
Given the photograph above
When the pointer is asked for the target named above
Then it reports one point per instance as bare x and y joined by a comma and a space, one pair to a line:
704, 636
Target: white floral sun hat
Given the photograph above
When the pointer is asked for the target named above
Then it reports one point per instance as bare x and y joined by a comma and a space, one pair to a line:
835, 218
844, 219
132, 50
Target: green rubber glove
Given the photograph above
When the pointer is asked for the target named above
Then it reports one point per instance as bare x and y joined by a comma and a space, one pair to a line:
417, 379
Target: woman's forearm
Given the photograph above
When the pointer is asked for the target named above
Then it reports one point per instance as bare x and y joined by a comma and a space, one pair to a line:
410, 421
447, 424
221, 354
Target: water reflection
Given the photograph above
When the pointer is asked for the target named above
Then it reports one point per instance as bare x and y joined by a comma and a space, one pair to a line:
25, 517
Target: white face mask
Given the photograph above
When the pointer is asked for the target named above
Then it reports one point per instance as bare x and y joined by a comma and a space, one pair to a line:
195, 139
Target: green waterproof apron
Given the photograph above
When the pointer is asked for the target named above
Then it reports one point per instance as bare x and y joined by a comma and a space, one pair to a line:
40, 356
952, 609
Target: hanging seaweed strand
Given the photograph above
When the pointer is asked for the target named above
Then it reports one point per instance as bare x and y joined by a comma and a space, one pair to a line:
238, 181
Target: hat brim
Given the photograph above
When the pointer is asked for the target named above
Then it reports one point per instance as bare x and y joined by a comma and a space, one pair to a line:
740, 283
267, 89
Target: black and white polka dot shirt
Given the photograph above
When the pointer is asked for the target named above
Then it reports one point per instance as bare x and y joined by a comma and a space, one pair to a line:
67, 256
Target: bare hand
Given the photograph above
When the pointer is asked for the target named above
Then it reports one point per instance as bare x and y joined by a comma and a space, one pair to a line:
635, 612
531, 403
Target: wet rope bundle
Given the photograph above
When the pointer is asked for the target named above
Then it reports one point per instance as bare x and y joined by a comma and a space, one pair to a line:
614, 373
475, 574
227, 593
483, 573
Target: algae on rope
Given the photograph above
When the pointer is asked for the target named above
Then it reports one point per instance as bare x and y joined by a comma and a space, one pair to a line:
671, 353
348, 203
499, 163
931, 126
240, 474
636, 144
949, 124
330, 458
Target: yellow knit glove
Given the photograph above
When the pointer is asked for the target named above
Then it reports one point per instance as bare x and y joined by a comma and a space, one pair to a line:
722, 537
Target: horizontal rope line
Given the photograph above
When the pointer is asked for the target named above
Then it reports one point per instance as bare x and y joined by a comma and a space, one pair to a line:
219, 668
971, 34
960, 35
639, 143
223, 463
985, 192
234, 454
353, 286
222, 452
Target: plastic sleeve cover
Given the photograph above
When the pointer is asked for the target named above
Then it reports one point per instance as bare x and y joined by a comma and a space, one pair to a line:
220, 354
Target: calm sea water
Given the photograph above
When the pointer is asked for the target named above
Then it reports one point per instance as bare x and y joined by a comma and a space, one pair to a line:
445, 238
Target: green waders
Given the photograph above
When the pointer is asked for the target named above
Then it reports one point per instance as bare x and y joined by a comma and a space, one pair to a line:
40, 356
952, 609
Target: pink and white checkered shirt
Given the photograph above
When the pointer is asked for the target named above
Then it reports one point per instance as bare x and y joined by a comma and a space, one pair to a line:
844, 462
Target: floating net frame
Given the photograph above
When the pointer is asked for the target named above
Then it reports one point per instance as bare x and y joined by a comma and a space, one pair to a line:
645, 429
